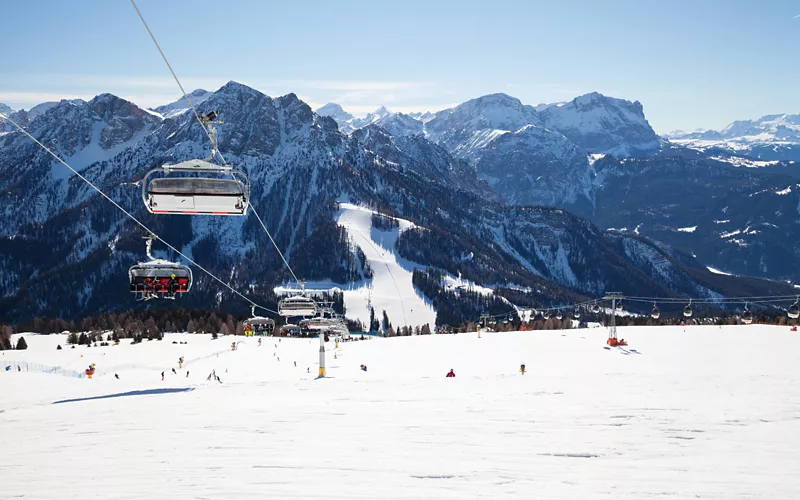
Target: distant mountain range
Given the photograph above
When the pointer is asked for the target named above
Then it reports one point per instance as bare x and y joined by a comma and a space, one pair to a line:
490, 185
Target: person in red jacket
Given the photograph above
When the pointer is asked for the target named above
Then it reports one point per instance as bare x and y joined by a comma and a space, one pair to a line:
451, 373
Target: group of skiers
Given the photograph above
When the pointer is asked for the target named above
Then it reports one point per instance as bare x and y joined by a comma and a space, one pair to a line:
150, 286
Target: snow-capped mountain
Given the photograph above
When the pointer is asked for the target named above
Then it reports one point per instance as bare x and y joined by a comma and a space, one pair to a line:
180, 105
44, 107
336, 112
65, 252
424, 117
35, 187
347, 122
399, 124
601, 124
771, 137
371, 118
466, 129
4, 108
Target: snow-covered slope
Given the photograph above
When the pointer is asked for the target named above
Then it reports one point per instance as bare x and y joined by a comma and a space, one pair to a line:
601, 124
390, 289
180, 106
584, 422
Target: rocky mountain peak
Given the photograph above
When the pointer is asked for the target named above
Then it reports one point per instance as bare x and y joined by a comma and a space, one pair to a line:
602, 124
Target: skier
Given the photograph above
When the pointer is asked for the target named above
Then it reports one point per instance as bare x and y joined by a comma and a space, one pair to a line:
116, 376
259, 342
522, 368
173, 285
162, 376
295, 364
173, 371
363, 368
187, 373
450, 374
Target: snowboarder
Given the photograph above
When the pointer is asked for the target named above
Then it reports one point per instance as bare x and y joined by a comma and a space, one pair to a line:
450, 374
295, 364
363, 368
522, 368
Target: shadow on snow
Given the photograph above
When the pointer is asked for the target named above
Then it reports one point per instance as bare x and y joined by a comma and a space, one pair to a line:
146, 392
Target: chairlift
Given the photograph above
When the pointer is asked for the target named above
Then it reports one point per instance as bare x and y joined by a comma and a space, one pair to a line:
297, 305
213, 190
159, 278
290, 329
576, 313
546, 314
687, 311
619, 305
596, 308
205, 189
559, 315
259, 324
794, 310
655, 313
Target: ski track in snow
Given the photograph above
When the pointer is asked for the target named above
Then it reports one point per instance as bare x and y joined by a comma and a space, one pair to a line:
391, 288
702, 412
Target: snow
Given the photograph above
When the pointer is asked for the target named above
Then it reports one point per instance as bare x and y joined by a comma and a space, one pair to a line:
701, 412
391, 287
457, 283
593, 157
687, 229
93, 152
717, 271
744, 162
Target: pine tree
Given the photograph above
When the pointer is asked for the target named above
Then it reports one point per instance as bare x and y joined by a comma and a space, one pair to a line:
21, 344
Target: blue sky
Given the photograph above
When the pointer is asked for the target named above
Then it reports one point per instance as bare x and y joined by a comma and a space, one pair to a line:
691, 63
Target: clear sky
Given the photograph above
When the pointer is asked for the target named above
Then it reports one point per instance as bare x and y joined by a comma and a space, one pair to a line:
701, 63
